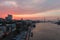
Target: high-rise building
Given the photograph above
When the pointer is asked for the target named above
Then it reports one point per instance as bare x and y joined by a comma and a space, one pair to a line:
9, 17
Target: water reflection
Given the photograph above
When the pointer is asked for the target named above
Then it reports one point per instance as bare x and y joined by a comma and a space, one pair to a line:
46, 31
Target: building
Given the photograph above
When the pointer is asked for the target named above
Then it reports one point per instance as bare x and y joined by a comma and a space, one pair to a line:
8, 18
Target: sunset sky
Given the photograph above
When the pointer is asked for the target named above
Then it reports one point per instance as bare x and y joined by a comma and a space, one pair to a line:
30, 9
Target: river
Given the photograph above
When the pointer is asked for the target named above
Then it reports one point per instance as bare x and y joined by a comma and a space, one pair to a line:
46, 31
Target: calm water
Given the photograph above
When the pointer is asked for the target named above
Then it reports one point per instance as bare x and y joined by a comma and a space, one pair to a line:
46, 31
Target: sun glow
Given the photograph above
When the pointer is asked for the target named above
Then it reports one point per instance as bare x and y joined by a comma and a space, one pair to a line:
24, 16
